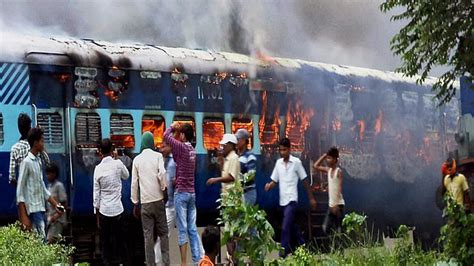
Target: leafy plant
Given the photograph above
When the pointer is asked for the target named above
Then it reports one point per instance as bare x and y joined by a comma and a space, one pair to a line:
247, 225
23, 248
457, 236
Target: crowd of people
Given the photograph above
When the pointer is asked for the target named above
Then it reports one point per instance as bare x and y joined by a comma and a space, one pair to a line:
163, 191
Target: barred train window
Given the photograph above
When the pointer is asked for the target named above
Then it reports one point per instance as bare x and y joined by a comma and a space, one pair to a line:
52, 125
187, 120
88, 130
213, 130
244, 123
1, 129
156, 125
121, 130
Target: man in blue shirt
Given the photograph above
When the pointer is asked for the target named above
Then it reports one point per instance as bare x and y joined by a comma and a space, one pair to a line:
248, 162
31, 192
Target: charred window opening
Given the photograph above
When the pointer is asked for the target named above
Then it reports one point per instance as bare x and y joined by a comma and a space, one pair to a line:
1, 129
187, 120
213, 129
52, 125
117, 83
244, 123
298, 120
156, 125
368, 118
121, 130
269, 124
88, 130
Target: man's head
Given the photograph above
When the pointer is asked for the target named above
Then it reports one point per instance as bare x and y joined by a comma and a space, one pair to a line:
228, 142
165, 149
35, 139
105, 147
148, 142
332, 156
451, 166
210, 240
186, 133
284, 147
243, 137
24, 125
52, 171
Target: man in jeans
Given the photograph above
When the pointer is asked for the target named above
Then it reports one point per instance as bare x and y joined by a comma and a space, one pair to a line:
107, 202
185, 197
149, 180
31, 192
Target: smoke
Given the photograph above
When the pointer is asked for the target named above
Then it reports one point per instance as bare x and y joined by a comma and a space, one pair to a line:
339, 32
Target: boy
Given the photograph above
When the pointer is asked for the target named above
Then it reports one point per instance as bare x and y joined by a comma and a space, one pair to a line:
335, 214
288, 170
56, 221
210, 241
456, 184
31, 192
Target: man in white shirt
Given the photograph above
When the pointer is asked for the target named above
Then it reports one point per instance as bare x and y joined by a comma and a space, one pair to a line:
149, 180
288, 170
107, 201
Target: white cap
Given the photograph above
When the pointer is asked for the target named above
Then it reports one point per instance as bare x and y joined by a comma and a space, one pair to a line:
228, 138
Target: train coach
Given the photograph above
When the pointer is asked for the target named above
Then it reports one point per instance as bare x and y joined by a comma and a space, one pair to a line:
391, 132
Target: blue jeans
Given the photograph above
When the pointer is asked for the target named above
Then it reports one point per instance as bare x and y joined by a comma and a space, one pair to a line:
185, 205
250, 196
37, 220
289, 227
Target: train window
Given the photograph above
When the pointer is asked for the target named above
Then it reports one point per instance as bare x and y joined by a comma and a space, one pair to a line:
121, 130
1, 129
187, 120
88, 129
213, 129
52, 125
245, 123
156, 125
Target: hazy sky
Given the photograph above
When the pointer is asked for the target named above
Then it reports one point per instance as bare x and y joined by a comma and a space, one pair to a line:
350, 32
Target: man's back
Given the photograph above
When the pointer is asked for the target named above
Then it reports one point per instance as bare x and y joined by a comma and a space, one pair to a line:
148, 170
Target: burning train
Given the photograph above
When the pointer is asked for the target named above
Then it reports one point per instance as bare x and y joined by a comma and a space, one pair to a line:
392, 134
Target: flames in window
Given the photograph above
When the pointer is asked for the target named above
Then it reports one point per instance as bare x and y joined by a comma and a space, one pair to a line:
213, 130
269, 126
244, 123
121, 130
298, 120
155, 125
187, 120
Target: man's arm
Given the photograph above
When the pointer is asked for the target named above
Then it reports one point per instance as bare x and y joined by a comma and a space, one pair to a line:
123, 170
162, 172
231, 176
134, 185
44, 158
175, 144
12, 173
96, 191
20, 197
318, 164
274, 179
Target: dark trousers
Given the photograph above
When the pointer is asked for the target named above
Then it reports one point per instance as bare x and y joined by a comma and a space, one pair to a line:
333, 220
112, 240
154, 223
289, 227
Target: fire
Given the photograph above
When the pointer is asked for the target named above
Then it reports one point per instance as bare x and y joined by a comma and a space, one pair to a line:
269, 127
123, 141
62, 78
298, 119
176, 70
212, 134
378, 123
156, 127
361, 125
266, 58
111, 94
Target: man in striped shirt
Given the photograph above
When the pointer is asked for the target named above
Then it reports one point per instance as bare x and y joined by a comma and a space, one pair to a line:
185, 197
31, 191
20, 150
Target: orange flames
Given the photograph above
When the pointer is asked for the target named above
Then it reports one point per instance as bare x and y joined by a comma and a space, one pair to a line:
361, 125
298, 120
212, 134
156, 127
269, 127
378, 123
123, 141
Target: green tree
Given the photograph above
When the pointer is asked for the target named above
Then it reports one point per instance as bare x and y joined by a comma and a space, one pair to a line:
437, 33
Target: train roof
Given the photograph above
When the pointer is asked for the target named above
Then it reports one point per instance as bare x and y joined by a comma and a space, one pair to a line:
93, 53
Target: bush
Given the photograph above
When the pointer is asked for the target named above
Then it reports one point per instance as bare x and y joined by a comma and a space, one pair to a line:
22, 248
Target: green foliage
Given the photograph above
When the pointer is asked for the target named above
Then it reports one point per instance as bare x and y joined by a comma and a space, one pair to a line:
353, 223
437, 32
457, 236
247, 225
22, 248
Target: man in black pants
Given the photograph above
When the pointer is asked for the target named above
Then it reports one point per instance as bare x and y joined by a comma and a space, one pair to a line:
108, 176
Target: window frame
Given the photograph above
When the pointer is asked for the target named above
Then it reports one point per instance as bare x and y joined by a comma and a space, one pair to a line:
152, 116
89, 143
121, 127
211, 119
48, 129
